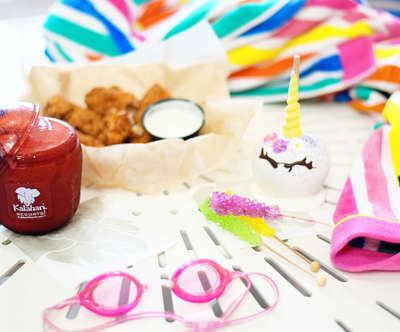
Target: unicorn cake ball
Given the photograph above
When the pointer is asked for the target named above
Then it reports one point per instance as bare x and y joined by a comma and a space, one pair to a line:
290, 164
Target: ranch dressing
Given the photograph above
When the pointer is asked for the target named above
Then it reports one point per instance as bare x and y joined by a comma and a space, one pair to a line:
173, 118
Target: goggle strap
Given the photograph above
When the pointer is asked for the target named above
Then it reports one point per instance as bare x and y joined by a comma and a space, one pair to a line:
235, 304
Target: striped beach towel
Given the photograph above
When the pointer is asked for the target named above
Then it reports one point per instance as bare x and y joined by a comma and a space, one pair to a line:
84, 30
373, 92
367, 218
260, 38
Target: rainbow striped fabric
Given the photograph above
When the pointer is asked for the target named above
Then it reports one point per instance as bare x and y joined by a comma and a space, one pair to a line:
372, 93
392, 6
82, 30
367, 218
335, 39
342, 43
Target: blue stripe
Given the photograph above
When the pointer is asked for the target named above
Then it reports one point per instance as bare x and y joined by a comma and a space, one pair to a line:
121, 42
331, 63
389, 248
396, 13
342, 96
277, 19
392, 7
47, 53
358, 242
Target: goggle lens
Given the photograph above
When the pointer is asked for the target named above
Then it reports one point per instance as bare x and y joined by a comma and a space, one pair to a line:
199, 280
116, 293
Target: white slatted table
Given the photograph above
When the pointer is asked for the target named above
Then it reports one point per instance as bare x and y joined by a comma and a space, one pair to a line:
349, 302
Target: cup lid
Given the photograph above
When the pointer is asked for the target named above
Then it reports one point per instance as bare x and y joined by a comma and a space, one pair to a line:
16, 123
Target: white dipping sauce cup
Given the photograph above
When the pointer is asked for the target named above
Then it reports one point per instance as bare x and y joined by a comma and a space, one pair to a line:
173, 118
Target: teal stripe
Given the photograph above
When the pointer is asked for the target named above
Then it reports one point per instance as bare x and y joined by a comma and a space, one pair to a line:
94, 40
62, 52
282, 90
140, 2
241, 16
363, 92
195, 17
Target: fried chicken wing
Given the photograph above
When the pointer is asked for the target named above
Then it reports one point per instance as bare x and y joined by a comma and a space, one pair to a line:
113, 116
87, 121
154, 94
117, 126
139, 135
58, 107
88, 140
101, 100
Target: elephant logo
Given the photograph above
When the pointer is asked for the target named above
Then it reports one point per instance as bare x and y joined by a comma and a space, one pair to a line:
27, 196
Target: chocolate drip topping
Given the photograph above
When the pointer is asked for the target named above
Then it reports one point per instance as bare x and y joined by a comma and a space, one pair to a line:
300, 163
289, 166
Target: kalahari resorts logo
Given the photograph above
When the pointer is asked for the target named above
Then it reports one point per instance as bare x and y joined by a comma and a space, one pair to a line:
27, 209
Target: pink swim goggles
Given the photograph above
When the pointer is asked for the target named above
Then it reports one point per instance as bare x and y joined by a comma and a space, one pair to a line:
197, 281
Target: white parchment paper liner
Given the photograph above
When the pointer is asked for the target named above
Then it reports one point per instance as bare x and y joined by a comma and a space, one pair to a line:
191, 65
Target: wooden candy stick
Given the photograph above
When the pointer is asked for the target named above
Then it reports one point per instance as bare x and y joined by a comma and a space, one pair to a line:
262, 228
321, 281
296, 65
314, 265
306, 219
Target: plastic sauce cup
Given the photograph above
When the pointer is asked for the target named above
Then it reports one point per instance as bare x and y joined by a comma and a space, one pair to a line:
173, 118
40, 170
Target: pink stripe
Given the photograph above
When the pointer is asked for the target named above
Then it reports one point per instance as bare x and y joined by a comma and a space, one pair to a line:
347, 205
392, 23
123, 8
335, 4
354, 15
295, 27
355, 259
394, 41
375, 179
357, 57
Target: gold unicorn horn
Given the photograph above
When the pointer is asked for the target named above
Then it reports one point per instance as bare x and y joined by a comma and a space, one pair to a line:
292, 126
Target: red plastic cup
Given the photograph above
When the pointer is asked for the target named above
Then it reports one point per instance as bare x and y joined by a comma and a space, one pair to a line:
40, 170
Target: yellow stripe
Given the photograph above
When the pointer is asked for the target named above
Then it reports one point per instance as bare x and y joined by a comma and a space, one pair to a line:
391, 112
394, 141
383, 53
366, 216
247, 55
325, 32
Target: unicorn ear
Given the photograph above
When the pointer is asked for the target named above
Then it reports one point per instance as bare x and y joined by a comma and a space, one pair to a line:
35, 192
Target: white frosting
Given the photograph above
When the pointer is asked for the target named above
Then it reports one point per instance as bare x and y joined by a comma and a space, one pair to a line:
173, 119
285, 181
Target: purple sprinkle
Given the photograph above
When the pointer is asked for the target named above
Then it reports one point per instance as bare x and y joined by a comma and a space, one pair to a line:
309, 140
